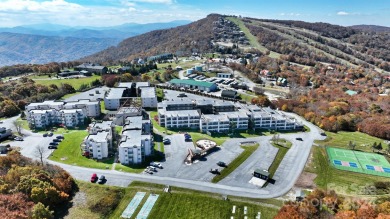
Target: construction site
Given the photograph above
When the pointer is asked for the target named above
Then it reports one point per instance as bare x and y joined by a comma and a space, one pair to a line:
201, 149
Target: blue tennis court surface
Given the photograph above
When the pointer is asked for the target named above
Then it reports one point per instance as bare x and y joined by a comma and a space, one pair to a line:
369, 167
130, 209
337, 162
387, 170
351, 164
145, 210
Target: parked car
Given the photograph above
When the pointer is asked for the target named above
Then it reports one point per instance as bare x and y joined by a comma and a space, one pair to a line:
323, 133
102, 179
52, 147
221, 164
299, 139
53, 143
167, 141
57, 140
60, 137
50, 134
152, 168
94, 178
148, 171
17, 138
214, 171
156, 164
44, 134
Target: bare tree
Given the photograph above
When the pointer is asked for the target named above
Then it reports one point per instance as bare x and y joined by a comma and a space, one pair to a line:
39, 152
18, 126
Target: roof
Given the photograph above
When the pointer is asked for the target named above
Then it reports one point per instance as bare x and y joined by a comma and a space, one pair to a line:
262, 172
192, 82
115, 93
98, 137
351, 92
133, 122
229, 93
102, 125
148, 92
181, 113
215, 118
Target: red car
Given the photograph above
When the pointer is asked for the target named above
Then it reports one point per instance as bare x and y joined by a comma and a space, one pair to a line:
94, 178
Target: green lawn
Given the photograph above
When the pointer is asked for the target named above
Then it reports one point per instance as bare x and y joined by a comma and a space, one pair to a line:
69, 152
341, 139
246, 98
69, 95
130, 169
75, 82
248, 150
189, 204
283, 146
328, 177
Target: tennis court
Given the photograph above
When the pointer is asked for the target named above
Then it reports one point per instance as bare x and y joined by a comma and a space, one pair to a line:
357, 161
130, 209
147, 207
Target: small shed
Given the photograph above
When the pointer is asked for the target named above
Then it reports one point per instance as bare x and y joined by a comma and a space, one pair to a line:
262, 174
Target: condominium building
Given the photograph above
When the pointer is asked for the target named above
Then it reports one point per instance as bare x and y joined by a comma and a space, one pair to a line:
50, 117
70, 114
136, 91
99, 139
220, 116
136, 142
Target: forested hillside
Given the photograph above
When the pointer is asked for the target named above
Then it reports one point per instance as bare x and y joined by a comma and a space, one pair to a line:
309, 43
194, 37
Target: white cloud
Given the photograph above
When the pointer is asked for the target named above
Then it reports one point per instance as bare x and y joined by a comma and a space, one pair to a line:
154, 1
23, 12
342, 13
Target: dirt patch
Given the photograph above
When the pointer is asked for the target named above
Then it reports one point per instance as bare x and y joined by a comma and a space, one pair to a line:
80, 199
306, 180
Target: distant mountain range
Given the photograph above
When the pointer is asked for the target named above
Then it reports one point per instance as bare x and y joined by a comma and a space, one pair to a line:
43, 43
373, 28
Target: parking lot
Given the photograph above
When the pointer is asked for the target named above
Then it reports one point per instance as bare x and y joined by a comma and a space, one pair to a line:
176, 153
30, 142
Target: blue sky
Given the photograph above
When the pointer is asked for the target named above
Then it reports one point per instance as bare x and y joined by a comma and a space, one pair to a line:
115, 12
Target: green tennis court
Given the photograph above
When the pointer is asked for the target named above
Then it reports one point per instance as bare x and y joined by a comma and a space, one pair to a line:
356, 161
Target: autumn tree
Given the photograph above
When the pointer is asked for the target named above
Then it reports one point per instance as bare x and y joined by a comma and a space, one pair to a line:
41, 212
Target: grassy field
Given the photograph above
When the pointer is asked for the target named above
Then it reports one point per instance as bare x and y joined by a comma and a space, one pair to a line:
86, 204
252, 39
75, 82
328, 177
69, 152
248, 150
184, 203
341, 139
69, 95
283, 146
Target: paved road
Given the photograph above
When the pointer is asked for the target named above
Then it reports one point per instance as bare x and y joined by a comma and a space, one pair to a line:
286, 175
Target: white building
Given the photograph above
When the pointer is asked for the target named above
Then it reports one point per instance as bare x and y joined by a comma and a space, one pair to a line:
214, 123
99, 139
136, 142
117, 96
148, 97
179, 119
50, 117
70, 114
221, 116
